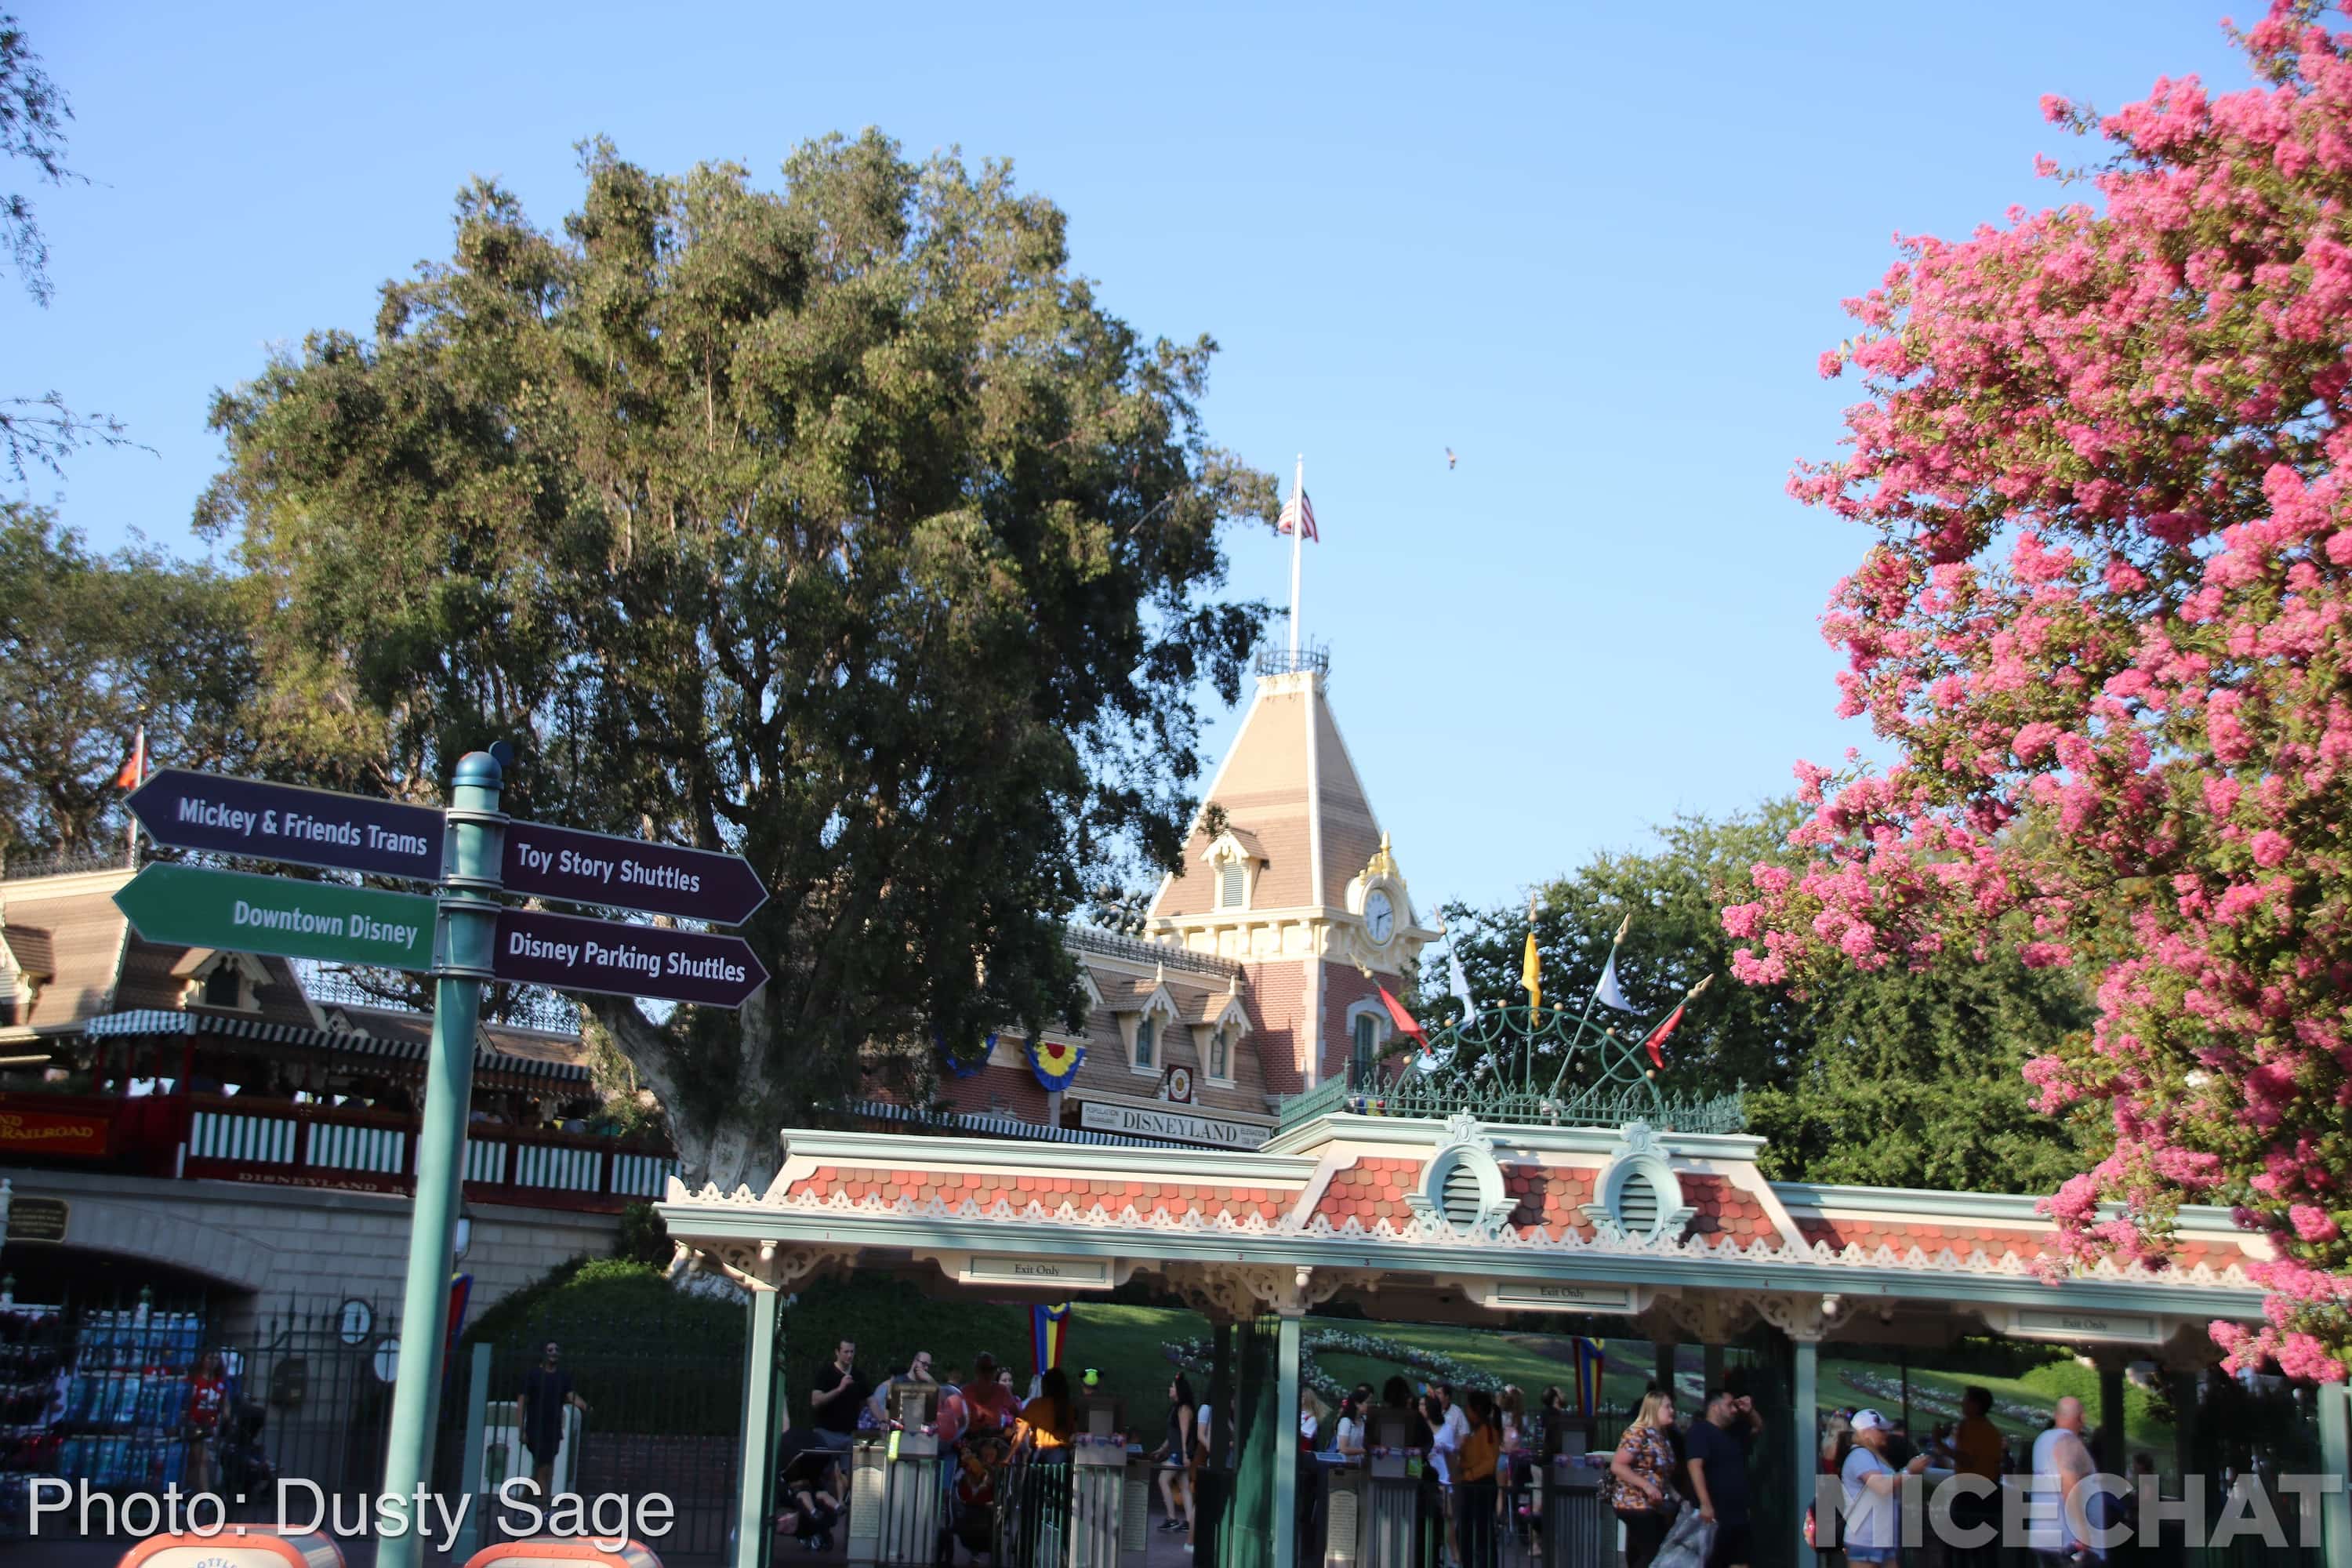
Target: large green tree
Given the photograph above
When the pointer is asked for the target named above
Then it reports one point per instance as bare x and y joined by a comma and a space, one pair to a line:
1891, 1079
837, 525
93, 647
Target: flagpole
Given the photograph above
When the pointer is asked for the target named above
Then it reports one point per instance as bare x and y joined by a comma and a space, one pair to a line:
1298, 544
1623, 926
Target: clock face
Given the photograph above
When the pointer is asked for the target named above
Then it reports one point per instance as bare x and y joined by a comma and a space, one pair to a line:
1380, 918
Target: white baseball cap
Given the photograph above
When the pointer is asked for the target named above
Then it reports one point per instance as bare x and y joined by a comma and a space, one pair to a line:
1872, 1420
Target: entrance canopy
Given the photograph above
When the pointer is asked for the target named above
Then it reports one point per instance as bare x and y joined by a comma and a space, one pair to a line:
1465, 1220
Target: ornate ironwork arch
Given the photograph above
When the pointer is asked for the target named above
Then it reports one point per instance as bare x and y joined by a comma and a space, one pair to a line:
1546, 1066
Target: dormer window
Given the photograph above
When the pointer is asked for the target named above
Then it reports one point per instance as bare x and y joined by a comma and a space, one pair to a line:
1234, 859
1232, 886
225, 987
232, 981
1147, 1042
1220, 1053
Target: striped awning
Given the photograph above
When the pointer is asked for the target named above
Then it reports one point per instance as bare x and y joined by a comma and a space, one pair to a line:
151, 1021
996, 1126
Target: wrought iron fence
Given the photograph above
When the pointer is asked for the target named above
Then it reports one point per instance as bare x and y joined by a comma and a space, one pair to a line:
132, 1399
1531, 1066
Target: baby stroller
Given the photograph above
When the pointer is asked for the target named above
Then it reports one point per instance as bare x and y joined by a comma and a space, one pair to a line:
971, 1508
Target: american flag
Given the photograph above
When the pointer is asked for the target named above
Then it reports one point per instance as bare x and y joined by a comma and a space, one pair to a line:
1299, 515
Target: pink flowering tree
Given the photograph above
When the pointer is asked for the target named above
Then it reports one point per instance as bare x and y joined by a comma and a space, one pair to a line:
2105, 623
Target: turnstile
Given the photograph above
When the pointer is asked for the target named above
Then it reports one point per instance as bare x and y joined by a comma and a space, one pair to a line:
1386, 1501
1579, 1530
895, 1493
1110, 1502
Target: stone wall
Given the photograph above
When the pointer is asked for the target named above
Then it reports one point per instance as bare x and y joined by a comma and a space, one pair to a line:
271, 1249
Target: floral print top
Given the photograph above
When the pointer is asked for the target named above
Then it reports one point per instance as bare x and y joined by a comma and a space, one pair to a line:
1648, 1452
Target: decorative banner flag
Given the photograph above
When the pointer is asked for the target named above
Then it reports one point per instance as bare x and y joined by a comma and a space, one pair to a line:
1608, 992
1403, 1019
1055, 1063
1049, 1333
1531, 966
1658, 1035
1458, 985
1589, 1367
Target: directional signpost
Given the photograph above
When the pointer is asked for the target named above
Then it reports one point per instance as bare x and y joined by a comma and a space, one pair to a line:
324, 920
626, 873
463, 936
285, 822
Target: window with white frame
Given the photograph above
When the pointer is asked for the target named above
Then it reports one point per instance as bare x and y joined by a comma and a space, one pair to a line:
1220, 1053
1232, 885
1147, 1041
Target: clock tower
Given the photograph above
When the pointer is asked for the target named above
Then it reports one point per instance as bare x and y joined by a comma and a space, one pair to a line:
1287, 873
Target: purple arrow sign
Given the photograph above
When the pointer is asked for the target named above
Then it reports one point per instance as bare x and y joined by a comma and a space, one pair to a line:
575, 955
629, 874
285, 822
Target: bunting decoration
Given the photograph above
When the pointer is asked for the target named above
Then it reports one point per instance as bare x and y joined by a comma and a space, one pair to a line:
1589, 1362
960, 1068
1055, 1063
1049, 1333
1403, 1019
1606, 991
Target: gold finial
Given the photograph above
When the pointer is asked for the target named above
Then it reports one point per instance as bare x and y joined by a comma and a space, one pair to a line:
1383, 863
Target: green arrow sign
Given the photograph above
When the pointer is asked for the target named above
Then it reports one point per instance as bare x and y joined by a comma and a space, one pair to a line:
243, 913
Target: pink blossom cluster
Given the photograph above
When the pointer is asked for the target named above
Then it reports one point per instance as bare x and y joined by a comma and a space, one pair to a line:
2106, 623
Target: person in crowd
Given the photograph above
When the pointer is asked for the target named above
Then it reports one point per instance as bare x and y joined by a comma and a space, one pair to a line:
837, 1392
1434, 1501
919, 1371
2062, 1463
547, 1390
1477, 1495
1174, 1456
208, 1399
1048, 1421
1397, 1400
1348, 1437
1872, 1529
1976, 1450
1310, 1419
1448, 1432
1511, 1410
988, 1396
1717, 1448
1641, 1485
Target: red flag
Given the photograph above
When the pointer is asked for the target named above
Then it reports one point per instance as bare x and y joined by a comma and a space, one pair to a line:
135, 772
1658, 1035
1404, 1019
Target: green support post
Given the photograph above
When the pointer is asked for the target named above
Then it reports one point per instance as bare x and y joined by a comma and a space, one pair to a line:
478, 1401
463, 948
1283, 1449
2113, 1440
755, 1481
1804, 1439
2336, 1459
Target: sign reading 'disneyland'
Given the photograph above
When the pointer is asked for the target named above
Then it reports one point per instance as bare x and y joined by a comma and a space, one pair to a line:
283, 822
1540, 1296
1058, 1273
1181, 1126
628, 874
575, 955
197, 907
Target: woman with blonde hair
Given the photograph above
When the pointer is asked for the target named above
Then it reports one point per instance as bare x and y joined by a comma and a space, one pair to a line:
1641, 1485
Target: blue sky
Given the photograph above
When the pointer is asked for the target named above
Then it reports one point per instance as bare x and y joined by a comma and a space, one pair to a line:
1595, 250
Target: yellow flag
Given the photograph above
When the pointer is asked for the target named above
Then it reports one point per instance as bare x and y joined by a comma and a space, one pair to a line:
1530, 966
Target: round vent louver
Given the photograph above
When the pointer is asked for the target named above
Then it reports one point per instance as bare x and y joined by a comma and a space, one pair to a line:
1462, 1195
1637, 1205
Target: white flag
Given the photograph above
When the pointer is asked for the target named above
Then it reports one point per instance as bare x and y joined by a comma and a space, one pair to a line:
1607, 991
1458, 985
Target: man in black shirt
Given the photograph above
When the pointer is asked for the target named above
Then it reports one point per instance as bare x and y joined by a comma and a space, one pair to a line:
1716, 1450
836, 1391
538, 1413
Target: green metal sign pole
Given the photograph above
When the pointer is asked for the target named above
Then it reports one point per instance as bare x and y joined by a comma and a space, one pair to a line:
469, 918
